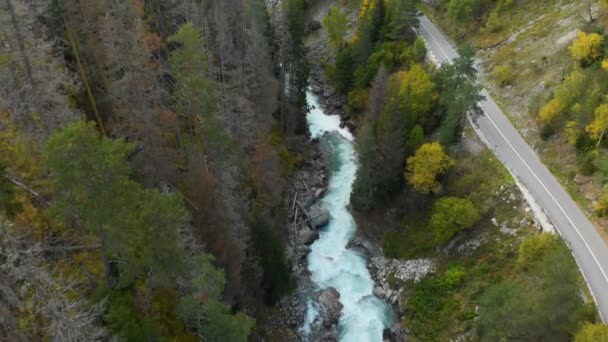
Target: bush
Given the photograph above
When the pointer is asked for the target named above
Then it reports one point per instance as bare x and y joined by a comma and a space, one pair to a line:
430, 306
503, 74
592, 333
586, 48
454, 276
451, 215
393, 244
584, 144
546, 131
344, 73
533, 248
586, 163
357, 100
493, 24
543, 303
601, 207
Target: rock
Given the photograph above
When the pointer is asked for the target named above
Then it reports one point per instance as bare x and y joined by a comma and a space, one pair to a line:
314, 26
352, 126
329, 335
379, 292
318, 216
307, 236
319, 192
365, 248
396, 333
330, 306
309, 202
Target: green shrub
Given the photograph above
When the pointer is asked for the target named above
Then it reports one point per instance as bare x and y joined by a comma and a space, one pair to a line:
357, 100
586, 163
393, 244
430, 306
503, 74
453, 276
601, 207
533, 248
451, 215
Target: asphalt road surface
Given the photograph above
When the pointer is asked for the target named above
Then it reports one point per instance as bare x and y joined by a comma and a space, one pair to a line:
590, 251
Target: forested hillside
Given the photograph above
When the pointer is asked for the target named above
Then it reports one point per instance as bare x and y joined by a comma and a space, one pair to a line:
144, 162
158, 181
431, 193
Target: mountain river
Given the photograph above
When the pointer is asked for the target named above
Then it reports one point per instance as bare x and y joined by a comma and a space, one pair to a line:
331, 264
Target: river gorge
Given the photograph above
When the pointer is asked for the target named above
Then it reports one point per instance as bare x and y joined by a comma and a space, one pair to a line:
330, 262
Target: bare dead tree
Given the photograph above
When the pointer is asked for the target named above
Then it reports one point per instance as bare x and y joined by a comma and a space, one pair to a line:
27, 278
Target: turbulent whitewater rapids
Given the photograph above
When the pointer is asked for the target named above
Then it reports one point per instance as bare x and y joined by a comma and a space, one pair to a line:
364, 317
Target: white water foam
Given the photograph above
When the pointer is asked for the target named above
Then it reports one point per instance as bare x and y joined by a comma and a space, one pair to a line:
364, 317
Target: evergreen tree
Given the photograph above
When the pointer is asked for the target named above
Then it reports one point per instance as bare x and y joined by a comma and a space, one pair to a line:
295, 64
336, 24
403, 20
364, 195
203, 311
137, 228
344, 70
460, 92
194, 95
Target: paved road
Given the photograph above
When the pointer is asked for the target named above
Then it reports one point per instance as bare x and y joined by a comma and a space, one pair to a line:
590, 251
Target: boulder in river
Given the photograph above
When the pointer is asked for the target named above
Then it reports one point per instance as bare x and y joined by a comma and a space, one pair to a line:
328, 335
318, 216
396, 333
307, 236
330, 306
379, 292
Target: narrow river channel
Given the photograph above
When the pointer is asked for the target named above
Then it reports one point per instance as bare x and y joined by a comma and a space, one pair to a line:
331, 264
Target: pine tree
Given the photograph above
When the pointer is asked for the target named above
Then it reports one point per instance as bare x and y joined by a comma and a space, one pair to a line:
460, 92
137, 228
403, 20
336, 24
364, 195
194, 95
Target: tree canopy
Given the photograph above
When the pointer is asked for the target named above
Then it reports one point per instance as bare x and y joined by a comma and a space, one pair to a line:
137, 227
449, 216
542, 304
597, 127
587, 47
425, 166
336, 24
592, 333
459, 92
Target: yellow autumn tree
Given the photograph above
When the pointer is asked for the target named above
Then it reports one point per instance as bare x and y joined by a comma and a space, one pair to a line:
587, 47
417, 89
366, 5
571, 132
592, 333
605, 64
550, 110
597, 127
423, 168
